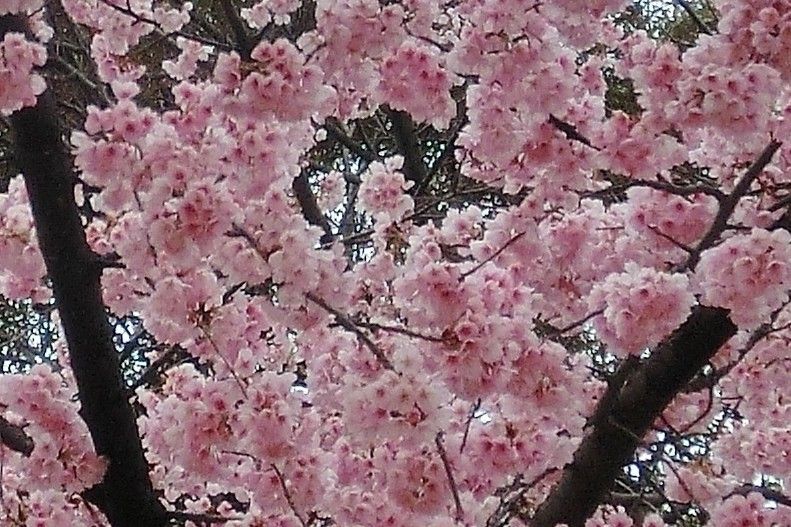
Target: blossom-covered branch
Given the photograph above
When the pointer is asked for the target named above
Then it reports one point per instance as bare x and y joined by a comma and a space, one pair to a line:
633, 408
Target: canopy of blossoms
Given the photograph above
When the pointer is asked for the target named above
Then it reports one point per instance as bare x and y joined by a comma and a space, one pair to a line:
425, 376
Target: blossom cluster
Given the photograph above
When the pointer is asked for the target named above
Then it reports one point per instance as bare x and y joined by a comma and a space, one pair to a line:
759, 29
262, 13
416, 68
406, 371
19, 6
284, 85
749, 274
63, 460
749, 511
382, 192
20, 258
640, 307
19, 85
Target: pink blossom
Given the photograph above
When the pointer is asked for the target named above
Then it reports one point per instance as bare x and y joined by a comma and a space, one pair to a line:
640, 307
410, 68
382, 192
19, 86
748, 274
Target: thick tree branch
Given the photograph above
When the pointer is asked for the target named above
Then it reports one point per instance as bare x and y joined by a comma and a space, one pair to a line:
708, 381
633, 408
406, 142
694, 16
15, 438
335, 131
243, 41
310, 208
126, 494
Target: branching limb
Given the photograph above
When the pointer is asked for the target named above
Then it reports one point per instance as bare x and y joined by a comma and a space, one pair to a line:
625, 414
729, 203
310, 207
694, 16
335, 131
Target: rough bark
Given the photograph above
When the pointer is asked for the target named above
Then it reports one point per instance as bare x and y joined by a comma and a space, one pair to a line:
126, 494
15, 438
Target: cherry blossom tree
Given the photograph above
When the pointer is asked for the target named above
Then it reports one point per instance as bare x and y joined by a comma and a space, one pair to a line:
418, 263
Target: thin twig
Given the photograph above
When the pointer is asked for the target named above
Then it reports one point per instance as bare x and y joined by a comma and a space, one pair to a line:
769, 494
683, 247
149, 373
141, 18
468, 424
451, 481
782, 202
497, 253
335, 131
509, 505
79, 75
348, 324
670, 188
397, 329
201, 518
571, 132
671, 465
213, 344
709, 405
238, 231
578, 323
287, 495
